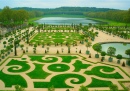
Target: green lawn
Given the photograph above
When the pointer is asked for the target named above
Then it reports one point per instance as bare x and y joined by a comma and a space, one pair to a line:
58, 68
110, 22
56, 37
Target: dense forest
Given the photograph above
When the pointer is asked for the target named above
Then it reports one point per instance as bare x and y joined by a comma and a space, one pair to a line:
15, 16
11, 17
118, 15
65, 10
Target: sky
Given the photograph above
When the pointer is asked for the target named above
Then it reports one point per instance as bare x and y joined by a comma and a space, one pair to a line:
114, 4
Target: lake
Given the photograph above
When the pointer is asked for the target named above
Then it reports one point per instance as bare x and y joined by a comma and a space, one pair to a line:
120, 48
64, 21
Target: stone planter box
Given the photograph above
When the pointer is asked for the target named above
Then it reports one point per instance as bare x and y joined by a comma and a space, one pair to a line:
96, 55
87, 52
127, 62
118, 61
110, 59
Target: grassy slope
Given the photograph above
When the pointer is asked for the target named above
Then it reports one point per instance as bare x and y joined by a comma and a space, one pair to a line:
111, 23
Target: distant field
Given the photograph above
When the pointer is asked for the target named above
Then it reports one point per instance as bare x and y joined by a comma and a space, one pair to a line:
111, 23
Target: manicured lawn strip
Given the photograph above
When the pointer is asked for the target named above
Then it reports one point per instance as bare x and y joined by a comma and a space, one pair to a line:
38, 72
39, 59
11, 80
104, 64
96, 71
58, 40
58, 81
111, 23
54, 67
99, 83
32, 20
121, 83
68, 59
17, 63
79, 65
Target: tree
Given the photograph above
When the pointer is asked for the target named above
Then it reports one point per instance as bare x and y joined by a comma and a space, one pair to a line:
83, 88
51, 88
97, 47
22, 46
19, 88
4, 43
113, 87
103, 54
119, 56
16, 42
111, 51
127, 52
88, 44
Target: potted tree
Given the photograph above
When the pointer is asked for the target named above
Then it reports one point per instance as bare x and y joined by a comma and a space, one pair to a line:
119, 57
97, 47
83, 88
88, 44
111, 51
127, 52
103, 53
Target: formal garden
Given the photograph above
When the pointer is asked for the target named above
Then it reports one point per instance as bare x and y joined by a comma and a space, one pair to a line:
28, 54
60, 71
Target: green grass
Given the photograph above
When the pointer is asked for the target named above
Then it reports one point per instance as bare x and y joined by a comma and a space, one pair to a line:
79, 65
110, 22
47, 59
38, 72
99, 83
65, 15
23, 64
34, 19
57, 37
58, 67
58, 81
68, 59
96, 71
10, 80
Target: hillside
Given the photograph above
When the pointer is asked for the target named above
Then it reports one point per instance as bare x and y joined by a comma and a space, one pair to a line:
66, 10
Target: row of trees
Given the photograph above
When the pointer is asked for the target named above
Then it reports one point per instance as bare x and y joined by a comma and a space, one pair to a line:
118, 15
65, 10
110, 51
10, 18
112, 87
14, 17
123, 32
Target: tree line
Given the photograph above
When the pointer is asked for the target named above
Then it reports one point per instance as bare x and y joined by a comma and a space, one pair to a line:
65, 10
116, 15
11, 18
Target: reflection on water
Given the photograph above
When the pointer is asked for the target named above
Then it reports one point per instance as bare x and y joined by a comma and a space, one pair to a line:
120, 48
64, 21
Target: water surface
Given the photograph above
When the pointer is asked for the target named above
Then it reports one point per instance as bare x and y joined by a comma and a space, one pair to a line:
120, 48
64, 21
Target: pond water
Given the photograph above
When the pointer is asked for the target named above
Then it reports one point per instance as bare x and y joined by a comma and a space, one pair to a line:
120, 48
64, 21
